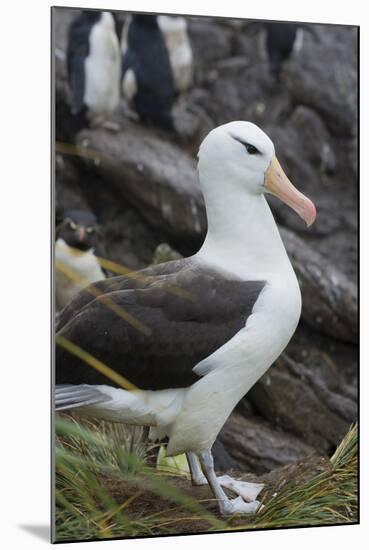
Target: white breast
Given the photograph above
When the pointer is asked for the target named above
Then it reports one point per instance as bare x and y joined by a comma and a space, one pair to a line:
236, 367
103, 67
129, 85
83, 269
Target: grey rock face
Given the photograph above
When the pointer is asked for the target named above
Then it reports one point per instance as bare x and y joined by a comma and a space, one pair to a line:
329, 296
329, 86
258, 447
154, 176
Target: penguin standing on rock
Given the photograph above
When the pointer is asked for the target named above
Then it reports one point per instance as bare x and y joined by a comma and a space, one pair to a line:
174, 29
147, 78
78, 245
281, 40
94, 67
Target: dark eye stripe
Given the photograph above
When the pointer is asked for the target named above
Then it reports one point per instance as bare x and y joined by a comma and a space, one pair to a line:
251, 149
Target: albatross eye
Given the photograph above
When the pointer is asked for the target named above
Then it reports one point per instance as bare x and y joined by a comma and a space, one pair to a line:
251, 149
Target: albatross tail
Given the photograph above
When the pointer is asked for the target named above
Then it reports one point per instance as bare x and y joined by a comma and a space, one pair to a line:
68, 396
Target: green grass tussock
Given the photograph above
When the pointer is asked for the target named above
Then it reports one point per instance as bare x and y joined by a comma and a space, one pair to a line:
104, 488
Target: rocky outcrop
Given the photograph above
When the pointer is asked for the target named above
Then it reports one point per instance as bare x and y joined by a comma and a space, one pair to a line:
295, 396
153, 175
258, 447
329, 86
329, 296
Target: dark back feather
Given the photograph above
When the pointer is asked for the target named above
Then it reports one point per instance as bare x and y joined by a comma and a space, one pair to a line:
190, 312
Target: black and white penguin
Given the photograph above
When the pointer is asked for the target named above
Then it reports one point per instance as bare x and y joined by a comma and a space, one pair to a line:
93, 65
174, 29
281, 40
78, 243
147, 77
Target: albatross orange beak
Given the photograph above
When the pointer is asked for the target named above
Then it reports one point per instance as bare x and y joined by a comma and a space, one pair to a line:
277, 183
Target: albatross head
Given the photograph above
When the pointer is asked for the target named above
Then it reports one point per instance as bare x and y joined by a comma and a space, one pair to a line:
243, 154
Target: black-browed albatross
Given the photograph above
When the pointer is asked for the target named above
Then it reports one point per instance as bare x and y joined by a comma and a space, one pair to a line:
212, 324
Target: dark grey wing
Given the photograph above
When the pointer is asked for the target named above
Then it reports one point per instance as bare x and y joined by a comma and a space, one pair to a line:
135, 280
170, 332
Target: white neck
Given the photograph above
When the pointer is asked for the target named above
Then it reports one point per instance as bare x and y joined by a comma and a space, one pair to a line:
242, 234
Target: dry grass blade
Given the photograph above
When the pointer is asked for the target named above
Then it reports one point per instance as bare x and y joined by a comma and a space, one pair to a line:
84, 152
326, 498
120, 269
104, 299
94, 363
